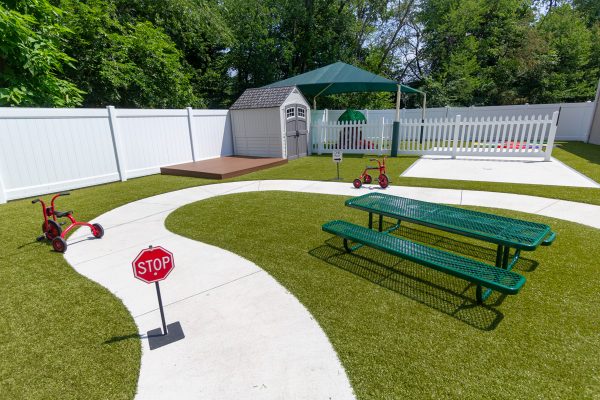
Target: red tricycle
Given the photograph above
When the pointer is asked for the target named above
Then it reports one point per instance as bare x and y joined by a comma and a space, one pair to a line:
52, 230
366, 178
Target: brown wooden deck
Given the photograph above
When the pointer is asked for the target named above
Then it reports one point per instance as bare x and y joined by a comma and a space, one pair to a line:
223, 167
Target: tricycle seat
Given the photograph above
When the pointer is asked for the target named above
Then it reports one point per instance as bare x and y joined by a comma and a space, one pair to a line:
61, 214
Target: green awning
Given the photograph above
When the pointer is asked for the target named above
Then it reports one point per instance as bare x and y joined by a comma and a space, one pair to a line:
341, 78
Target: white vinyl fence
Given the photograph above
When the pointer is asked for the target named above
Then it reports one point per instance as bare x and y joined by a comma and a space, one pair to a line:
457, 136
45, 150
573, 123
479, 136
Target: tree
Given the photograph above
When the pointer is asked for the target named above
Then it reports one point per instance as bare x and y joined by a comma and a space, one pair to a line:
129, 64
199, 30
571, 71
475, 50
31, 56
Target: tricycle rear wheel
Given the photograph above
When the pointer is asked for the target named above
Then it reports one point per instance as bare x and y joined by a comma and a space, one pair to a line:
59, 244
383, 181
97, 231
357, 183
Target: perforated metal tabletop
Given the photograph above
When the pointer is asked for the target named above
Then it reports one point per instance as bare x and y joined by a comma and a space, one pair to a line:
514, 233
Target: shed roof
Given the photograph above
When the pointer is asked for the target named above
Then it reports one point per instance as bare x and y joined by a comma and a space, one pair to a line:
262, 97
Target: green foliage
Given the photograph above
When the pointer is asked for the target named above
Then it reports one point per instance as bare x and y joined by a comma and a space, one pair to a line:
569, 73
129, 64
279, 39
31, 56
199, 31
176, 53
483, 52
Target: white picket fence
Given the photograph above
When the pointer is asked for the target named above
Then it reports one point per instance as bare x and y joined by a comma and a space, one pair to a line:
45, 150
574, 121
529, 136
352, 137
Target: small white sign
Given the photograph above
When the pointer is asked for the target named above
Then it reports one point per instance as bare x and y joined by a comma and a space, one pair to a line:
337, 156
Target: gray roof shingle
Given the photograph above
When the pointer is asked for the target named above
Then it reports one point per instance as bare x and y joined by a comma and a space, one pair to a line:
262, 98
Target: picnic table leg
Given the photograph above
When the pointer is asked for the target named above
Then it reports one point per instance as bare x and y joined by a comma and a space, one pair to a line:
482, 295
370, 220
351, 249
514, 259
505, 257
380, 222
499, 254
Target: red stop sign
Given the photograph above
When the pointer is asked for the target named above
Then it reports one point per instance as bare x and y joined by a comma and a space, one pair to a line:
153, 264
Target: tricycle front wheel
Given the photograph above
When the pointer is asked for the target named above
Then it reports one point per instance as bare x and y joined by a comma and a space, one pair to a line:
357, 183
51, 229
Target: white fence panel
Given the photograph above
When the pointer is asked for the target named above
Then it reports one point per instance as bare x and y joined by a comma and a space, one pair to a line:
45, 150
211, 134
49, 150
152, 139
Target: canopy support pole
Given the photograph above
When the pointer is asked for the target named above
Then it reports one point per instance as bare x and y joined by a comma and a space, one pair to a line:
396, 127
317, 95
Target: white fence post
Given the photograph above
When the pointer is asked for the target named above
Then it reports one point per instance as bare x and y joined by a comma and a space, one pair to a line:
551, 134
381, 129
191, 130
2, 190
455, 134
320, 135
119, 153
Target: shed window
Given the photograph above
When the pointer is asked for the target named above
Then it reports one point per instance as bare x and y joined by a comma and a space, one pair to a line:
301, 113
289, 113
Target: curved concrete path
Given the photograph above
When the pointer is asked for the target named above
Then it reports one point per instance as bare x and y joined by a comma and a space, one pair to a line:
246, 336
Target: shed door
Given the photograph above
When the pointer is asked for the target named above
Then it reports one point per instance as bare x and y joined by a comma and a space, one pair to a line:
296, 129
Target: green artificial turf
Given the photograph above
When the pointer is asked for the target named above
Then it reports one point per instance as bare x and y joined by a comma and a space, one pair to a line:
61, 335
405, 331
64, 337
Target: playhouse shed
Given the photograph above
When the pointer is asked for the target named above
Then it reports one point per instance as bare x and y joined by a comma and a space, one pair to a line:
271, 122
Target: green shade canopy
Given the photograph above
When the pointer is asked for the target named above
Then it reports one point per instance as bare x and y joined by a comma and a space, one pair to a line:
341, 78
352, 115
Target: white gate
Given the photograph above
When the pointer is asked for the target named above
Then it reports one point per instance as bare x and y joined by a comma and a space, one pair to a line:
352, 137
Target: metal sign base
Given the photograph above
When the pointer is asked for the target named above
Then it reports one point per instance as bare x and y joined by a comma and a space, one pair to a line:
338, 173
156, 338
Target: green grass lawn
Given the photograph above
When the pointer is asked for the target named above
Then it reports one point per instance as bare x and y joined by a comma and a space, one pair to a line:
64, 337
405, 331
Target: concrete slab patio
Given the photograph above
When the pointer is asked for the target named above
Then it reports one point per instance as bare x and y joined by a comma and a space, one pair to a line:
246, 336
525, 170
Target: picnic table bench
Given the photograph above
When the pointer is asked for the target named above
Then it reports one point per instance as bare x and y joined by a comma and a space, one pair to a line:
505, 232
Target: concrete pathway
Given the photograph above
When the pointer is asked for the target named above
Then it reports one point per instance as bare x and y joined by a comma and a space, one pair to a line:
246, 336
499, 169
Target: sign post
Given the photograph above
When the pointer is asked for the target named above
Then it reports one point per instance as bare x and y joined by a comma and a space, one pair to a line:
337, 159
152, 265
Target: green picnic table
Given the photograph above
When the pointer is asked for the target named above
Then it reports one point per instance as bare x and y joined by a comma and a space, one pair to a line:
506, 233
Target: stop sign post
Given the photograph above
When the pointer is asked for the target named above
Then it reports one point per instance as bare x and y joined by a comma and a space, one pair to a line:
152, 265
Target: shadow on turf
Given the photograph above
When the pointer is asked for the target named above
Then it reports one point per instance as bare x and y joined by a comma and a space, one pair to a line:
452, 296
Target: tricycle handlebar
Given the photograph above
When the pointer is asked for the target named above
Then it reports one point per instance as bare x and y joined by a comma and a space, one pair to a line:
35, 201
